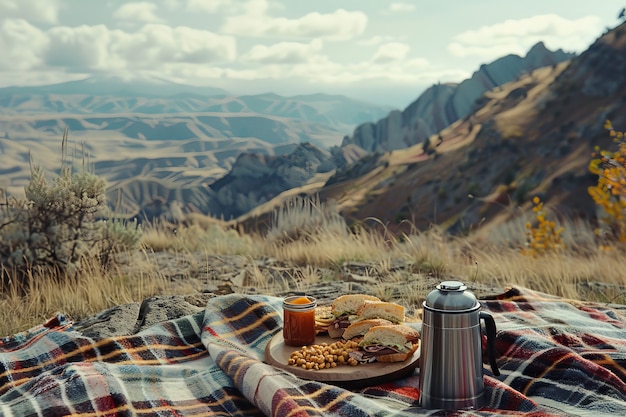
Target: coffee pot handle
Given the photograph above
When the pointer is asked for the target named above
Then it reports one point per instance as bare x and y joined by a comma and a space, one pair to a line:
490, 327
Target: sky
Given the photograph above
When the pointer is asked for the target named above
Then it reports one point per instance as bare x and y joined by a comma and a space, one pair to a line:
380, 51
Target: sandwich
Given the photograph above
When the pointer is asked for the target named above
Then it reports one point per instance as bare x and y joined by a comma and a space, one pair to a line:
359, 328
381, 310
344, 308
392, 343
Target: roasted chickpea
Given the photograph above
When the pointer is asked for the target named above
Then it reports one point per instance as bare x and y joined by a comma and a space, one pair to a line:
324, 355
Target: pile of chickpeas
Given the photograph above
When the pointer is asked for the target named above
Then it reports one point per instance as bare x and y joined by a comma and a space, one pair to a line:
324, 356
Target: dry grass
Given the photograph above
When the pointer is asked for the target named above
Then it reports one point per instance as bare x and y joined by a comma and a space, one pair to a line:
79, 297
331, 249
313, 236
215, 238
558, 274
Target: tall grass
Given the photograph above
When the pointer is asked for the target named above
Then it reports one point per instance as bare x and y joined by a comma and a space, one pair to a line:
79, 296
310, 236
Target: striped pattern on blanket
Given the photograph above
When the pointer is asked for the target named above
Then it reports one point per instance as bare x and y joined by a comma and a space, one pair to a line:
557, 357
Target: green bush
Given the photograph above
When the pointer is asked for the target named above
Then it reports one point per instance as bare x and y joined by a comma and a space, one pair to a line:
58, 224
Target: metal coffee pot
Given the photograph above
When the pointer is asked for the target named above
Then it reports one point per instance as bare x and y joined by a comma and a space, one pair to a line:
451, 366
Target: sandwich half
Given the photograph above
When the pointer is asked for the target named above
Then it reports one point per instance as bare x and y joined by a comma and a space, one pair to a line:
393, 343
345, 307
381, 310
359, 328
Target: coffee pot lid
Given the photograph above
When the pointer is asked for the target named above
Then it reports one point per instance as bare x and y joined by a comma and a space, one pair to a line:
451, 296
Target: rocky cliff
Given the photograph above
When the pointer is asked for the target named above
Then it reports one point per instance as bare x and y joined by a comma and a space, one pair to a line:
442, 104
255, 179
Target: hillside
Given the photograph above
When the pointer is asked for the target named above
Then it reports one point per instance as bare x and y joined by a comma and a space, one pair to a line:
385, 134
443, 104
154, 140
532, 136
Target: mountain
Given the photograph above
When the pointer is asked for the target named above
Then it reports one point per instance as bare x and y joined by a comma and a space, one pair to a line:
533, 136
255, 179
151, 139
114, 95
116, 86
442, 104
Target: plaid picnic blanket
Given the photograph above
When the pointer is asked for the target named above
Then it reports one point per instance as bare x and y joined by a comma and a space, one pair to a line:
557, 357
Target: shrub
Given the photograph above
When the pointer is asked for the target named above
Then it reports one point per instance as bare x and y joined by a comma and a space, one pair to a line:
543, 237
59, 223
610, 192
117, 235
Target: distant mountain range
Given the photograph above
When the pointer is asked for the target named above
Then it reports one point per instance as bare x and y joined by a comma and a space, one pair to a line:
115, 86
97, 97
168, 136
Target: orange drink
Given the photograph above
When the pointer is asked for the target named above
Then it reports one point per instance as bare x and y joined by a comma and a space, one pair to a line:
299, 320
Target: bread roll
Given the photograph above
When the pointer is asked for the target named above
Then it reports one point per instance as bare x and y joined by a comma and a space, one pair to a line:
361, 327
381, 310
349, 303
391, 343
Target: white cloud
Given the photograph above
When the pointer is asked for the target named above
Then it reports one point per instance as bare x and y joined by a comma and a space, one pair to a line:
517, 36
209, 6
229, 7
489, 51
407, 71
392, 51
375, 40
338, 25
254, 7
322, 71
155, 44
200, 57
79, 48
402, 7
97, 48
283, 52
46, 11
139, 11
21, 44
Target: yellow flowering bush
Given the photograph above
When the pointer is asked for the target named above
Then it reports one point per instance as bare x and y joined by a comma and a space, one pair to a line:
543, 236
610, 192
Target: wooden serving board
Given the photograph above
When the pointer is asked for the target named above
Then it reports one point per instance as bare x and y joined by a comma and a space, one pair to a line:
277, 353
